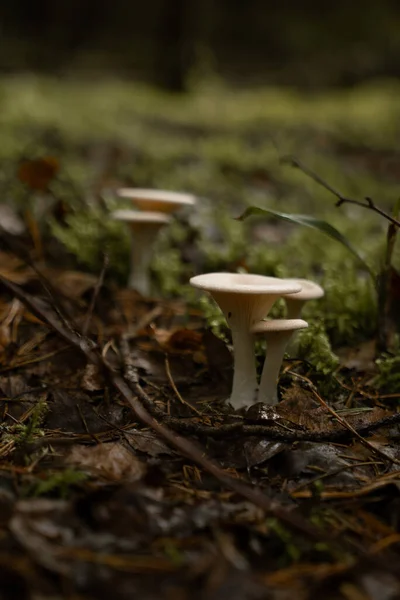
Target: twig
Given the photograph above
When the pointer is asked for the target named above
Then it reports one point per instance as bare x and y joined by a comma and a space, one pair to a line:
20, 251
369, 204
177, 393
95, 294
347, 425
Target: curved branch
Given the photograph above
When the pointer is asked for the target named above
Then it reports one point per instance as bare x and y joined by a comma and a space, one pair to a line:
369, 204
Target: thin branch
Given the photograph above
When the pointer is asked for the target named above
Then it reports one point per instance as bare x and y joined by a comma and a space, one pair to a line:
349, 427
95, 294
23, 253
369, 204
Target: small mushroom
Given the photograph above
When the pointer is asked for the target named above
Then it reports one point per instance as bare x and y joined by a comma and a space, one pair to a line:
277, 332
244, 299
144, 227
295, 302
161, 201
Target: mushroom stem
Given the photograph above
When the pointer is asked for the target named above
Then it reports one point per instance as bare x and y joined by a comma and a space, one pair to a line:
139, 277
294, 308
268, 390
296, 302
144, 228
277, 333
245, 375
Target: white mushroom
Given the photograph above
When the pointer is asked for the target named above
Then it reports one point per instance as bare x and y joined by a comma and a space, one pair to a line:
157, 200
295, 302
277, 332
144, 227
244, 299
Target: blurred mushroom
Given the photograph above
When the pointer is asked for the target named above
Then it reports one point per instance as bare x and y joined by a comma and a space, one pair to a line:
161, 201
277, 332
244, 299
144, 227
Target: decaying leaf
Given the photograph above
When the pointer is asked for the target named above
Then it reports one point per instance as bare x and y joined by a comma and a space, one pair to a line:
37, 173
148, 442
112, 461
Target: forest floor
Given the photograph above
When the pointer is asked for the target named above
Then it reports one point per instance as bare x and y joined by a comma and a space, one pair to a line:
123, 469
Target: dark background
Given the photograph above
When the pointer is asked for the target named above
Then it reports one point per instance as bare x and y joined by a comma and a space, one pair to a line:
307, 44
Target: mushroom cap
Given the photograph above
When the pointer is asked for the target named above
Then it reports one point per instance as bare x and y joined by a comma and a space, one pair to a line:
134, 216
157, 200
244, 283
309, 290
276, 325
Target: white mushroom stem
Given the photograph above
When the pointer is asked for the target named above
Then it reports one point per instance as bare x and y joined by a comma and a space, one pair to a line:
244, 385
277, 333
142, 241
295, 302
144, 227
241, 312
294, 309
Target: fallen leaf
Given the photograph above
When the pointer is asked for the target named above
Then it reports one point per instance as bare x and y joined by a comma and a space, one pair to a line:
147, 442
361, 358
72, 284
112, 461
92, 378
184, 340
37, 173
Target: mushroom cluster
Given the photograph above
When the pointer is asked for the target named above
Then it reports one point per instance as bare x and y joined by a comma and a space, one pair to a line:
245, 301
153, 210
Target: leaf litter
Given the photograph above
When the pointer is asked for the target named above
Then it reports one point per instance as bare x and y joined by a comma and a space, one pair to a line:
123, 472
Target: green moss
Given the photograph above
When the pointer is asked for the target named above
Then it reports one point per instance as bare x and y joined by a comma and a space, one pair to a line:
169, 272
91, 233
349, 307
59, 484
313, 345
214, 317
388, 378
27, 432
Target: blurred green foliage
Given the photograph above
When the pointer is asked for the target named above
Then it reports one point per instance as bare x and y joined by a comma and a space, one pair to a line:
388, 377
226, 146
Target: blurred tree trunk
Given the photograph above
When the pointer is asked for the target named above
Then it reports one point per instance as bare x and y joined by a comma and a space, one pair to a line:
175, 44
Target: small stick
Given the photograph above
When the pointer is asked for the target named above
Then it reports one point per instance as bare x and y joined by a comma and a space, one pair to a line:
369, 204
95, 294
347, 425
172, 383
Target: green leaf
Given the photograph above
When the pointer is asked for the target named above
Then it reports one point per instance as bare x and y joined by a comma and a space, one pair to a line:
308, 221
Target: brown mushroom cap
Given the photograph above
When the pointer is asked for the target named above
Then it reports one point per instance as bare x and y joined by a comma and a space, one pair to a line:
162, 201
276, 325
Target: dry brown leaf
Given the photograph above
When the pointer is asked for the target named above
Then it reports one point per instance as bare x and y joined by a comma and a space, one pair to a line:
112, 461
92, 379
72, 284
13, 269
37, 173
148, 442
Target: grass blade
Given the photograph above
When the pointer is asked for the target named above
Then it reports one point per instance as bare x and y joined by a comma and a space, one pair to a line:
311, 222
